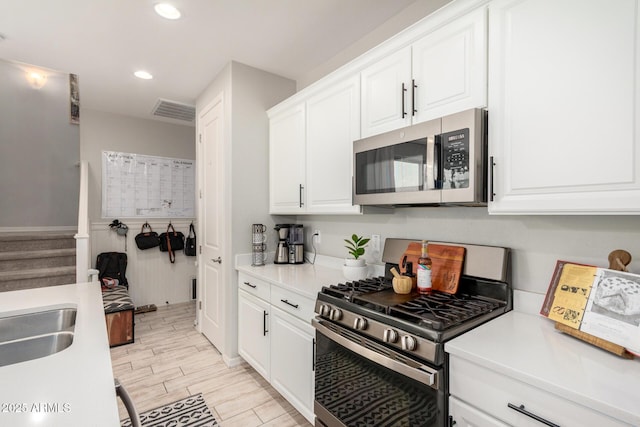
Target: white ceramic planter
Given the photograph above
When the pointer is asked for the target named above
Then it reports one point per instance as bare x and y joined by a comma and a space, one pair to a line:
351, 262
355, 272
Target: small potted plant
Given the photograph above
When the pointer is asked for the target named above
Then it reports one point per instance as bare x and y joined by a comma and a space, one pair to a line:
355, 268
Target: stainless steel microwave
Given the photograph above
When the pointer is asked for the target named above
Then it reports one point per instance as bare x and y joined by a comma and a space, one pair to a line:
435, 162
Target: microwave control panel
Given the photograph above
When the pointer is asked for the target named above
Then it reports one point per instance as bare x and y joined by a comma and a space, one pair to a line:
455, 156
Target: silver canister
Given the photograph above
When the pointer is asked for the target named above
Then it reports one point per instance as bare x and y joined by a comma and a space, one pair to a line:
258, 244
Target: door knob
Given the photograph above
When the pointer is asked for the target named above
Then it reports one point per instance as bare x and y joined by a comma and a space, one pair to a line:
218, 260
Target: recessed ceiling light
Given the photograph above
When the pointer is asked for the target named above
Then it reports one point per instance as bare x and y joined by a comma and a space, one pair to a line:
167, 11
143, 75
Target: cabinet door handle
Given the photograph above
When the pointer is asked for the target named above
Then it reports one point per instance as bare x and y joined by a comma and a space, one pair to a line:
531, 415
491, 192
264, 323
300, 195
404, 89
289, 303
251, 285
413, 97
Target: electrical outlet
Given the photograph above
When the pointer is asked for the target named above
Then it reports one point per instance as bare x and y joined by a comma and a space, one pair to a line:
375, 242
317, 236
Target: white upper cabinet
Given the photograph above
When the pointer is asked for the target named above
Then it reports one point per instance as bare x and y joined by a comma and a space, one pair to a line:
333, 123
563, 107
311, 152
386, 86
441, 73
450, 68
287, 161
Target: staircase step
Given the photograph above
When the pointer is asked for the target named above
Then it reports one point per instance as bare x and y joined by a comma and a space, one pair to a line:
21, 241
36, 278
11, 261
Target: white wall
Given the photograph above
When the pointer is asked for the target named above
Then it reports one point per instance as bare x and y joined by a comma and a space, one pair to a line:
536, 241
152, 278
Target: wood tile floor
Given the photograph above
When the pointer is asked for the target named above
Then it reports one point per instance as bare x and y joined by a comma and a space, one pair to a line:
170, 360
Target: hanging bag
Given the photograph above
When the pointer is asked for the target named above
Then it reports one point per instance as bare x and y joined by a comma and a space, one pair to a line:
147, 239
190, 242
171, 241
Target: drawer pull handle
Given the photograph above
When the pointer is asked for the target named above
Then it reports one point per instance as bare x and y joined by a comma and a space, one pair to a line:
531, 415
288, 303
250, 285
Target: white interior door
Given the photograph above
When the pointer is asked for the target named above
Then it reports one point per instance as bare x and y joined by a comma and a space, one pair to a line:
211, 272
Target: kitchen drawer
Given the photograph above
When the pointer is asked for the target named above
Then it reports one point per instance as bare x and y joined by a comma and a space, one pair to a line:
492, 392
254, 286
292, 303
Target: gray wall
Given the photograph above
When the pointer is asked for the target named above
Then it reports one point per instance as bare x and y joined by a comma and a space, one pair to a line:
536, 241
39, 151
248, 92
152, 278
113, 132
407, 17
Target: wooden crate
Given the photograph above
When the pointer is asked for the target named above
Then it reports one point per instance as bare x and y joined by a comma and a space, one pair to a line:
120, 327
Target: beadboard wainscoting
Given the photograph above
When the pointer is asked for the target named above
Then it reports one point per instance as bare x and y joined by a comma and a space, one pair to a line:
152, 278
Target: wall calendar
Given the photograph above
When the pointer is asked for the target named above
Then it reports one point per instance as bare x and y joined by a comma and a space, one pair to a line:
135, 185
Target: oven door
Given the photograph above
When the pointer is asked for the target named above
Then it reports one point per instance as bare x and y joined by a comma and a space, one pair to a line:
359, 382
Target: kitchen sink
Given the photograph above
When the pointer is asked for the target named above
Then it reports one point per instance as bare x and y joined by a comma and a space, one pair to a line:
40, 333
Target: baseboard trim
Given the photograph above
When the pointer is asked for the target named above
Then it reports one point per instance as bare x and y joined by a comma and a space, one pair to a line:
232, 362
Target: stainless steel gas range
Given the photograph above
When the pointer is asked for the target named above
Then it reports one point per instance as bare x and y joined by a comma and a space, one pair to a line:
380, 357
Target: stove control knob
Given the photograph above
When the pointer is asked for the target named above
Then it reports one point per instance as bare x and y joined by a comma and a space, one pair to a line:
324, 310
409, 343
390, 335
335, 314
360, 323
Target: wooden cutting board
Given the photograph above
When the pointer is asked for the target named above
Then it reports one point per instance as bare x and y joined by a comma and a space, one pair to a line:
447, 262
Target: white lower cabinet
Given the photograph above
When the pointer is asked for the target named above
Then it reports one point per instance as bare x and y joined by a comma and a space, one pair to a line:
483, 397
467, 416
253, 332
276, 338
292, 342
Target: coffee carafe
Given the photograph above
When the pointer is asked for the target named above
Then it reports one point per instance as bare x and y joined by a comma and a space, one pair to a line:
282, 250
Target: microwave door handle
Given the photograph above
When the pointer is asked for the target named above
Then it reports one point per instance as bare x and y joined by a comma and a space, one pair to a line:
438, 161
431, 166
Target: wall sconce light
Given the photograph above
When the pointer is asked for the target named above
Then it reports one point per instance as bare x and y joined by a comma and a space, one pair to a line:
36, 79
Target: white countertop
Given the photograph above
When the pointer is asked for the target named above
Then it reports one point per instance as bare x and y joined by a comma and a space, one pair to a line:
73, 387
528, 348
305, 279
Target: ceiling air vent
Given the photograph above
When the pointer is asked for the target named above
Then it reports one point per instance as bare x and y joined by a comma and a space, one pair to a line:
174, 110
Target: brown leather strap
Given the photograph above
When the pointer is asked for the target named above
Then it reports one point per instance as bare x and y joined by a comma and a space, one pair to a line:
172, 255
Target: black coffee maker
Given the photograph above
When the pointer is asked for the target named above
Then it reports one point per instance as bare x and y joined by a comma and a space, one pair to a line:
290, 249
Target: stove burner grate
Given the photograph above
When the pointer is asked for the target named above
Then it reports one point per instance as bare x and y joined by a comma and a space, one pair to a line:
440, 311
360, 287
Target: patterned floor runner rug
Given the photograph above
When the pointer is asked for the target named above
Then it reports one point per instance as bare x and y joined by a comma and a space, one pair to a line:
189, 412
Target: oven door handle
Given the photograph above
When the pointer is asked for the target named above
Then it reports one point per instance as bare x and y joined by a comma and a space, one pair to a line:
418, 371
